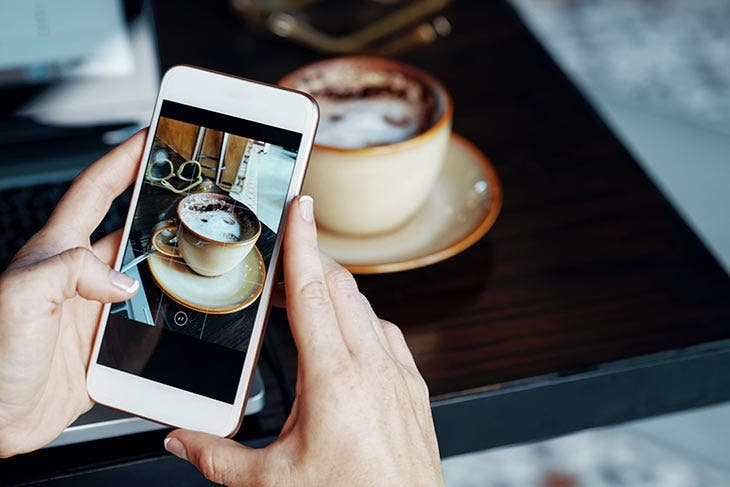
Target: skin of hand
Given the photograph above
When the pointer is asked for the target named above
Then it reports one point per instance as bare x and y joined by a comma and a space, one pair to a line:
51, 298
361, 415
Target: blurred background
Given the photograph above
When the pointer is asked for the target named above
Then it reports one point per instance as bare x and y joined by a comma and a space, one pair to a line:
658, 72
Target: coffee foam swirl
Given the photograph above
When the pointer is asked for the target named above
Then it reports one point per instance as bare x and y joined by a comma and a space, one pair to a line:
363, 108
218, 220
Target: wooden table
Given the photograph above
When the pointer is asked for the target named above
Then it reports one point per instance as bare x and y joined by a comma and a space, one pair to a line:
589, 302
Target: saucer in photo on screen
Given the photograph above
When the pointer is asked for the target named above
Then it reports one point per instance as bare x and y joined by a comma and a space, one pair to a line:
227, 293
462, 207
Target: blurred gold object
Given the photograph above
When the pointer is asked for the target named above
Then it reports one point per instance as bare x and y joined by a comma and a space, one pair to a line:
384, 35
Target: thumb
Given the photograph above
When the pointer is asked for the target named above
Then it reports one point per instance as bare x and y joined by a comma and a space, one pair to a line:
220, 460
79, 271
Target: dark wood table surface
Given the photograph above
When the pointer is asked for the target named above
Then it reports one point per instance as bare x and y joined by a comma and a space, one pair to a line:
587, 266
587, 263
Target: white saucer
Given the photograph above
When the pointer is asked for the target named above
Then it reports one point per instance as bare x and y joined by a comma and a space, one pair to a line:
232, 291
463, 205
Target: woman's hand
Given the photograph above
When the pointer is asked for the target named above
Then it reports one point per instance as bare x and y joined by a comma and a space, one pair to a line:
362, 413
50, 299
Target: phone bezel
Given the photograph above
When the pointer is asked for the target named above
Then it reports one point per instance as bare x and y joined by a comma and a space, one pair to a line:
241, 98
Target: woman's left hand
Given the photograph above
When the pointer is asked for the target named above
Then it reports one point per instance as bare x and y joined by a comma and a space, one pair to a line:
51, 297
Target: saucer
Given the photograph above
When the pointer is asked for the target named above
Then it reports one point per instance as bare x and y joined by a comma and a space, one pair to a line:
229, 292
462, 206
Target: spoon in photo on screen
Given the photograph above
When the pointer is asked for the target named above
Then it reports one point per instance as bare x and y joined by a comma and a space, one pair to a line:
137, 260
166, 239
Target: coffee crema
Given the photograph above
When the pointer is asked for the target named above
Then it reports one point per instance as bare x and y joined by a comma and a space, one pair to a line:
361, 107
218, 220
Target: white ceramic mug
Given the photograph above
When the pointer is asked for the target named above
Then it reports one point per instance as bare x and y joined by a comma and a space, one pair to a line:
204, 253
374, 189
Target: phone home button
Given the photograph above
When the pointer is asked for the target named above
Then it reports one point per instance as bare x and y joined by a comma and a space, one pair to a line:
180, 318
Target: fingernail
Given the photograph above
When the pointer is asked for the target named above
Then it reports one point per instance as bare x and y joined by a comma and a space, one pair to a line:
127, 284
306, 208
175, 446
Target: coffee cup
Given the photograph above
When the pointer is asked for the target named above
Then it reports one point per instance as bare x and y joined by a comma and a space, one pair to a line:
383, 134
214, 233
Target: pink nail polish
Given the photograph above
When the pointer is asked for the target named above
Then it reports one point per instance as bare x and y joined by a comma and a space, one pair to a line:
175, 446
127, 284
306, 208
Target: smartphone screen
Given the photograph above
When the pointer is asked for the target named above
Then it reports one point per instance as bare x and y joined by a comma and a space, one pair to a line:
200, 244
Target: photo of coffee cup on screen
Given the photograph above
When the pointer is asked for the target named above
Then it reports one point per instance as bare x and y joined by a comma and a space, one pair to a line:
204, 229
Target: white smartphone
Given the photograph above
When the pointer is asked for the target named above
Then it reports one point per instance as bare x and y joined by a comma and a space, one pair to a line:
223, 159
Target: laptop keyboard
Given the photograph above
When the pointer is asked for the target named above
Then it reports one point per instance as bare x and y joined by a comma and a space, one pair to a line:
23, 211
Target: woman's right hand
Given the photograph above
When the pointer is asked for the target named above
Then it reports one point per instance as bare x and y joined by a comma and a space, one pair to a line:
362, 414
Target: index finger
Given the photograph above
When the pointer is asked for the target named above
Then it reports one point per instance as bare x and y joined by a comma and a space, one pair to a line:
88, 199
311, 314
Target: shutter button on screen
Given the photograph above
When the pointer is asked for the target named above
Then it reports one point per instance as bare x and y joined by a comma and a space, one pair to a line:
180, 318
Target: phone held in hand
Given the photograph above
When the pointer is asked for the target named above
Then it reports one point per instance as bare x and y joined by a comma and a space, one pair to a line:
223, 159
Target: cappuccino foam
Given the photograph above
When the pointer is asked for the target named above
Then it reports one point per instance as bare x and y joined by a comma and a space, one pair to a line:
218, 225
358, 123
364, 108
218, 220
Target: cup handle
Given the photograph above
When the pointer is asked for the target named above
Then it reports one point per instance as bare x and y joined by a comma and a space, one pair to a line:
164, 238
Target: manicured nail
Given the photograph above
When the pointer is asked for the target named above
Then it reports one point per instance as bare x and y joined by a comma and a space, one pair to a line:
127, 284
306, 208
175, 446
